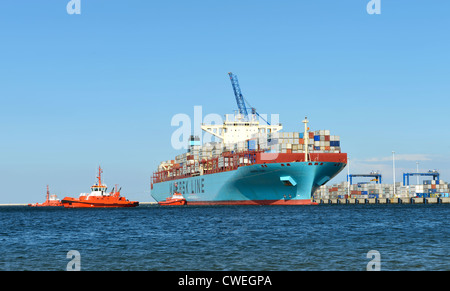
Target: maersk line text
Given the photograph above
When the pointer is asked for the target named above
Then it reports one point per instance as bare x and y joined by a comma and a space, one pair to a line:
226, 281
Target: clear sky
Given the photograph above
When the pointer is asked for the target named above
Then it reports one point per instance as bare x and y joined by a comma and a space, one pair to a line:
101, 87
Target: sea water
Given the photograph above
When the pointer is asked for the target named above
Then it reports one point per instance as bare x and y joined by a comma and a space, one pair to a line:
226, 238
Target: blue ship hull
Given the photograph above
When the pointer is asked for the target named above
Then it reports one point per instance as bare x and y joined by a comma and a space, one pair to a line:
274, 183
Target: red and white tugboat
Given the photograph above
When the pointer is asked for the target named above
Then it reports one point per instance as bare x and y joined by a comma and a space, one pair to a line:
51, 200
99, 198
175, 199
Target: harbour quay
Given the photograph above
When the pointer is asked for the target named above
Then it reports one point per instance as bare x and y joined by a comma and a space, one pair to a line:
434, 191
402, 200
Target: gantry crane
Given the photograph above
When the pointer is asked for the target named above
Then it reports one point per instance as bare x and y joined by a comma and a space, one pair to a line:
375, 175
434, 174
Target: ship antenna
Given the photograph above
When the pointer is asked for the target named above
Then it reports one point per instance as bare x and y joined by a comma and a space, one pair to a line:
99, 176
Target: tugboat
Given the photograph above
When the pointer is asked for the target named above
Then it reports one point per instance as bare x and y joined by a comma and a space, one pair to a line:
51, 200
176, 199
99, 198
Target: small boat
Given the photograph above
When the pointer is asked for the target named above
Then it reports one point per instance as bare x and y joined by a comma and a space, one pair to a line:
50, 201
99, 198
176, 199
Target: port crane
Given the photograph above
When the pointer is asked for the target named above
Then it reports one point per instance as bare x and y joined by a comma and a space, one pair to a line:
375, 175
240, 99
434, 174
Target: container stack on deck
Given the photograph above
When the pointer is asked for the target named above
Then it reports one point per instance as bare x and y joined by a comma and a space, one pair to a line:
326, 143
319, 141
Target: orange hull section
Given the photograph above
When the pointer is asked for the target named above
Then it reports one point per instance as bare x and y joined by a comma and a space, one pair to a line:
173, 202
47, 204
98, 202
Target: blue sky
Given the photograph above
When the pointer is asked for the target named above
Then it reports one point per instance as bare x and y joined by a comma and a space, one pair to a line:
101, 87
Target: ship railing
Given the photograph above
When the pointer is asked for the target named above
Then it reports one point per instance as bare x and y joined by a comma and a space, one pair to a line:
229, 161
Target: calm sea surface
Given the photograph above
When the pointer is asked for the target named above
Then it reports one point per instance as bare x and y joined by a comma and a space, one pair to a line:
247, 238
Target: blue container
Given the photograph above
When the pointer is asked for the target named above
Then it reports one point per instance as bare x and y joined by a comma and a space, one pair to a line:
317, 148
373, 195
364, 193
301, 134
431, 190
334, 143
317, 138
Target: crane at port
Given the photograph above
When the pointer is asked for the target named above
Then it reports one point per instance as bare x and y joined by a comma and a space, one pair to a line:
434, 174
240, 98
375, 175
238, 94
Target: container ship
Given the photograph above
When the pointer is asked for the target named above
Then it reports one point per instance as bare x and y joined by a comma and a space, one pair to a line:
253, 163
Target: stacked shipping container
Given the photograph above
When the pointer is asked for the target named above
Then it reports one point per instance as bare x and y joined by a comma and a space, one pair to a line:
324, 142
432, 188
279, 142
367, 190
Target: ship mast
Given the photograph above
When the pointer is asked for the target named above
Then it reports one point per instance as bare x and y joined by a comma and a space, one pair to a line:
99, 176
306, 138
48, 194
